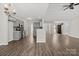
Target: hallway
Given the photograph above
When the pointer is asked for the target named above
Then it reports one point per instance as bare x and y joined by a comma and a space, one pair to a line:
56, 44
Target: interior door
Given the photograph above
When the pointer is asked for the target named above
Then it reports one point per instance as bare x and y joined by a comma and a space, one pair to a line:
10, 31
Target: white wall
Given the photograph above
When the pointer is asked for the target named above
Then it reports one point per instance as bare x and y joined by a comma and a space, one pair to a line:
10, 31
55, 12
26, 28
3, 27
74, 28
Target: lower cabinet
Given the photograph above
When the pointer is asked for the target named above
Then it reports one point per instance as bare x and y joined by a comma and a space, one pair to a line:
41, 36
17, 35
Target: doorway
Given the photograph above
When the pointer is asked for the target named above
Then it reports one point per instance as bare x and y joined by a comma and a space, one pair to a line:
58, 27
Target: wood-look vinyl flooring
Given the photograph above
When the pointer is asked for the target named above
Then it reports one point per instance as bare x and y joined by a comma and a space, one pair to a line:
56, 45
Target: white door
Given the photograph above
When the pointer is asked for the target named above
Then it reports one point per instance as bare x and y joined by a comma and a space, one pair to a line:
10, 31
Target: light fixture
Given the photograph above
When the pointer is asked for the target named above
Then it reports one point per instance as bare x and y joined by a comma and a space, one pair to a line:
9, 9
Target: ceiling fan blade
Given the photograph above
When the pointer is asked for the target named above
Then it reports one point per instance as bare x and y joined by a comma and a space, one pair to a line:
76, 4
66, 8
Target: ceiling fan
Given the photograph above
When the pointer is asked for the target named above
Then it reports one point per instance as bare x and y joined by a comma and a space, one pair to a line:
70, 6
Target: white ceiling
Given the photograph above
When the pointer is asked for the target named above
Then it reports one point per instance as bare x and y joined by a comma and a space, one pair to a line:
56, 12
33, 10
50, 11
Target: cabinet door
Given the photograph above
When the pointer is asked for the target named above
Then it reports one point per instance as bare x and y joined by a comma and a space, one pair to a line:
10, 31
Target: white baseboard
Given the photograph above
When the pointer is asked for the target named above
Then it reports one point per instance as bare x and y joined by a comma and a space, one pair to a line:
3, 43
71, 35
